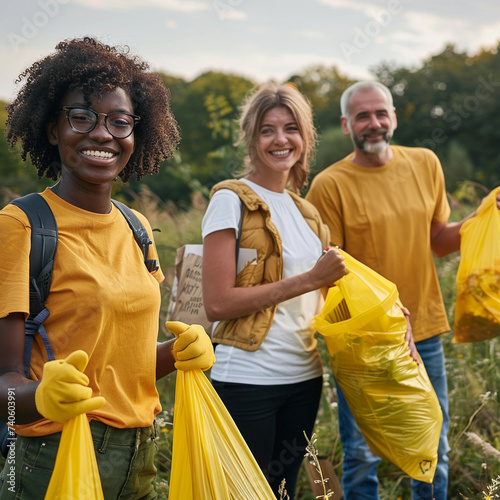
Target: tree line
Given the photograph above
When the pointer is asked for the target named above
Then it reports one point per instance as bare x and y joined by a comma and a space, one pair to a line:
449, 103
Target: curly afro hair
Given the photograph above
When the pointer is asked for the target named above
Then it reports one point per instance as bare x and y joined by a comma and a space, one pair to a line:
95, 68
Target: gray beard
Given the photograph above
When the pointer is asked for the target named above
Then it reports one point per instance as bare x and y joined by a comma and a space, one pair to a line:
373, 147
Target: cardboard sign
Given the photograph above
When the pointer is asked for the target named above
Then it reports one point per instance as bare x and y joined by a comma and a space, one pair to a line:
186, 299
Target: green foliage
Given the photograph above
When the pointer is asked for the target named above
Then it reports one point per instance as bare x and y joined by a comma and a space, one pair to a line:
206, 110
449, 104
452, 97
323, 86
333, 145
457, 165
200, 112
224, 126
17, 177
174, 182
473, 372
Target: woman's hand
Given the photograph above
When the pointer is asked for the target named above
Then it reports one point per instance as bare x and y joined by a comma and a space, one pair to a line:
329, 268
223, 300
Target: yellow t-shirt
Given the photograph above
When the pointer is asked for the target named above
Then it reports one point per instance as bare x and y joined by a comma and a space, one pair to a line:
382, 217
102, 300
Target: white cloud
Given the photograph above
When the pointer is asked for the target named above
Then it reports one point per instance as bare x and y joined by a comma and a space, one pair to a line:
405, 32
485, 37
347, 4
426, 24
314, 34
231, 14
171, 5
424, 34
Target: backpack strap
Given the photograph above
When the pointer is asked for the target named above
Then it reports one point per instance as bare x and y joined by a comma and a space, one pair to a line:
43, 249
44, 236
140, 234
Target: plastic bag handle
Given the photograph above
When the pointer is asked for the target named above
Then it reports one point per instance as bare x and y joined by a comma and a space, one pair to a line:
489, 201
357, 322
488, 205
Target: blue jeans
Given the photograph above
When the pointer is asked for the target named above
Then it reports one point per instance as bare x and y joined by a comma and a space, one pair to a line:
359, 476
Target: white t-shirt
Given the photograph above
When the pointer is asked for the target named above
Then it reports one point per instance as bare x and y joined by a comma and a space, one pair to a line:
285, 356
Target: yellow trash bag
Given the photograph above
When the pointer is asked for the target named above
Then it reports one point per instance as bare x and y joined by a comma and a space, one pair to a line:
210, 459
390, 396
477, 311
75, 475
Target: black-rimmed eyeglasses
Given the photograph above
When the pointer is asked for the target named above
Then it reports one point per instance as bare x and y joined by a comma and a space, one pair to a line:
83, 120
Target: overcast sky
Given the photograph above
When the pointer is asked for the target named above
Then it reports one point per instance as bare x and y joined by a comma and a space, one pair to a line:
259, 39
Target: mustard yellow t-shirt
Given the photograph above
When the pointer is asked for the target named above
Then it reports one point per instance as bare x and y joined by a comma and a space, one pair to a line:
102, 300
382, 217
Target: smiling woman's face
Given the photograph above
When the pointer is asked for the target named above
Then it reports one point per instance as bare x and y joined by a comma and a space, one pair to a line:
279, 145
95, 157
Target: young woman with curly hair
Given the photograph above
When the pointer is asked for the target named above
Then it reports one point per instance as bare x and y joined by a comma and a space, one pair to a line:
87, 114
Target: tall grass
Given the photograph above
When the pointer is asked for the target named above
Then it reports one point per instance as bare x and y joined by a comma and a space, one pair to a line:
473, 381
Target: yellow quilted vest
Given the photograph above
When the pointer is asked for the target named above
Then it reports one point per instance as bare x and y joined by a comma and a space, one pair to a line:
248, 332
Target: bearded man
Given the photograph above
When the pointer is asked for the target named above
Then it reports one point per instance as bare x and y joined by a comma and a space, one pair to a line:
387, 207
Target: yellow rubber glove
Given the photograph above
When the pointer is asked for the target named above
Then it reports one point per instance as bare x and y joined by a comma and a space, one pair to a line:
63, 392
193, 348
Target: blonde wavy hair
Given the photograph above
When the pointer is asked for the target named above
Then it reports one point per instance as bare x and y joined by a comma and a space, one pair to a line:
264, 98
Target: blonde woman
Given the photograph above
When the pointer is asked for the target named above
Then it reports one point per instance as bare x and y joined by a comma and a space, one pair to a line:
268, 370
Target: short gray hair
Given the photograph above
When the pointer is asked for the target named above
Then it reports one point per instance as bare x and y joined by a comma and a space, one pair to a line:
359, 86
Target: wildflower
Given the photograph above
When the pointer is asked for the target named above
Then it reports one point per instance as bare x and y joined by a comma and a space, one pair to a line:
282, 491
494, 486
312, 455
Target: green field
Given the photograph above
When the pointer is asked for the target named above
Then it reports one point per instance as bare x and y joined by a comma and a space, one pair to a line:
473, 379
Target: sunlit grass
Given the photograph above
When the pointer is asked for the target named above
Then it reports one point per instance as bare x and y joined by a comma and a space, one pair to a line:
473, 380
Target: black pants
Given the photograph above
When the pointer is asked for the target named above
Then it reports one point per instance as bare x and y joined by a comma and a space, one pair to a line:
272, 420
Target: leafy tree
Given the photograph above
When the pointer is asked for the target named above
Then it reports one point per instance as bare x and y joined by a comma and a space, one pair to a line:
205, 109
17, 177
333, 145
195, 114
449, 104
457, 166
452, 97
174, 182
323, 86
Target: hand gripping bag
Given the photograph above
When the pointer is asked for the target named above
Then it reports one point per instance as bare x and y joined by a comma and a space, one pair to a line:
390, 396
75, 475
210, 459
477, 311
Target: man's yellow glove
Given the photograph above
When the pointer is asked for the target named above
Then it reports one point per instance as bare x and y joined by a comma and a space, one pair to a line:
63, 392
193, 348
